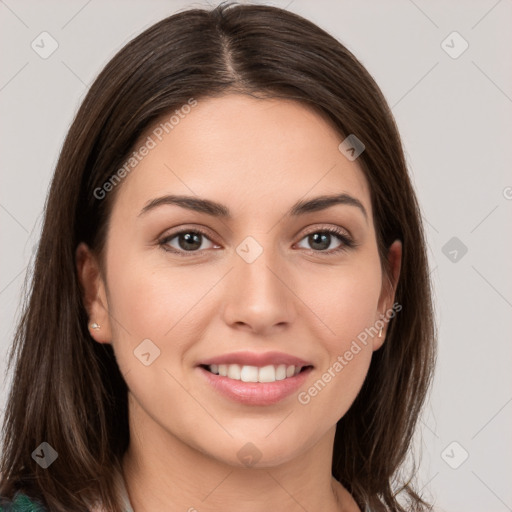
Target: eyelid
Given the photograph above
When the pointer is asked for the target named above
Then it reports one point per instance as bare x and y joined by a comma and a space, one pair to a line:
186, 228
327, 227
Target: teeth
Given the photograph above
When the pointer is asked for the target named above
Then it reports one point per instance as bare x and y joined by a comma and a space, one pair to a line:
281, 372
268, 373
234, 371
248, 373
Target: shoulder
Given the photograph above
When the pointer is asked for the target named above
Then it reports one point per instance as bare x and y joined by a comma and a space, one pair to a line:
21, 503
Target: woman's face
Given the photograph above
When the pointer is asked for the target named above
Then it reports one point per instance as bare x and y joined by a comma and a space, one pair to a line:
264, 286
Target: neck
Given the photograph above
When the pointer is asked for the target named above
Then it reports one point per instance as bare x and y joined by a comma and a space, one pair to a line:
168, 474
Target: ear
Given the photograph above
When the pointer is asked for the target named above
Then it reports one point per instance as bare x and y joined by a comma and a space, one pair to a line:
388, 290
94, 293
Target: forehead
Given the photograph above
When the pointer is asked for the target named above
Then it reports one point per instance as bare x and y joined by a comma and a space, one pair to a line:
254, 155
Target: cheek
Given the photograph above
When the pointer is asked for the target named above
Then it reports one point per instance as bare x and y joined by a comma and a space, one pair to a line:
147, 297
160, 304
345, 300
336, 385
346, 303
157, 301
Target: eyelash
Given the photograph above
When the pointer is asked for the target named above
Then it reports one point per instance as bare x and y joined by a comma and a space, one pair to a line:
347, 242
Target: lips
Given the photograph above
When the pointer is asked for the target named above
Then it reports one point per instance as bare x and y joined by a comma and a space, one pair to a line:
255, 378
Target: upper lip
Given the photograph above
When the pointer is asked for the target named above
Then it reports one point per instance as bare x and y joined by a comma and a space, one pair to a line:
256, 359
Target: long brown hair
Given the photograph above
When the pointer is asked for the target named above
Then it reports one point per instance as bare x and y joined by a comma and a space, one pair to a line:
67, 389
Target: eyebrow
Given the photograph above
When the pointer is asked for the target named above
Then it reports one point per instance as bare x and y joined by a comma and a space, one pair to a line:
219, 210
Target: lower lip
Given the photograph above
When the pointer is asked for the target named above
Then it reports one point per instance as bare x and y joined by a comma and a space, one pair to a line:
255, 393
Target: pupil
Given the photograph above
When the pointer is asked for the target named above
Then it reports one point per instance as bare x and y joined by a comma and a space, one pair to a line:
320, 238
190, 241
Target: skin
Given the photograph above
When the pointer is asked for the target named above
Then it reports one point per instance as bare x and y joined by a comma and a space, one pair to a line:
257, 157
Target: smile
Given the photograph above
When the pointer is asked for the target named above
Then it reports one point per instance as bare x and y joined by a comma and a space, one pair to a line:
268, 389
246, 373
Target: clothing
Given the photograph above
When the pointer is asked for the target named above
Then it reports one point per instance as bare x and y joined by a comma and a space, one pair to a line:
23, 503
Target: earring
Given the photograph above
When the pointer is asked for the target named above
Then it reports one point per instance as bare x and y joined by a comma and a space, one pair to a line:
95, 326
380, 333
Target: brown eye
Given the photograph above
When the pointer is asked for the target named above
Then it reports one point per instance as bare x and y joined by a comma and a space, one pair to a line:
322, 239
190, 240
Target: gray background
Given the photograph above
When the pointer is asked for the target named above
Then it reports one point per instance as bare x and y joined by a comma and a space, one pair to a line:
455, 118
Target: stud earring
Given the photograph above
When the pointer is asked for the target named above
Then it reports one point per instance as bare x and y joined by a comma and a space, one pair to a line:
380, 333
95, 326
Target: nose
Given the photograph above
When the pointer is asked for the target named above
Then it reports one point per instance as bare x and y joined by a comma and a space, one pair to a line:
259, 294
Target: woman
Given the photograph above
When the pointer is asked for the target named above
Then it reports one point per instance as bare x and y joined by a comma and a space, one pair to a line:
230, 305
